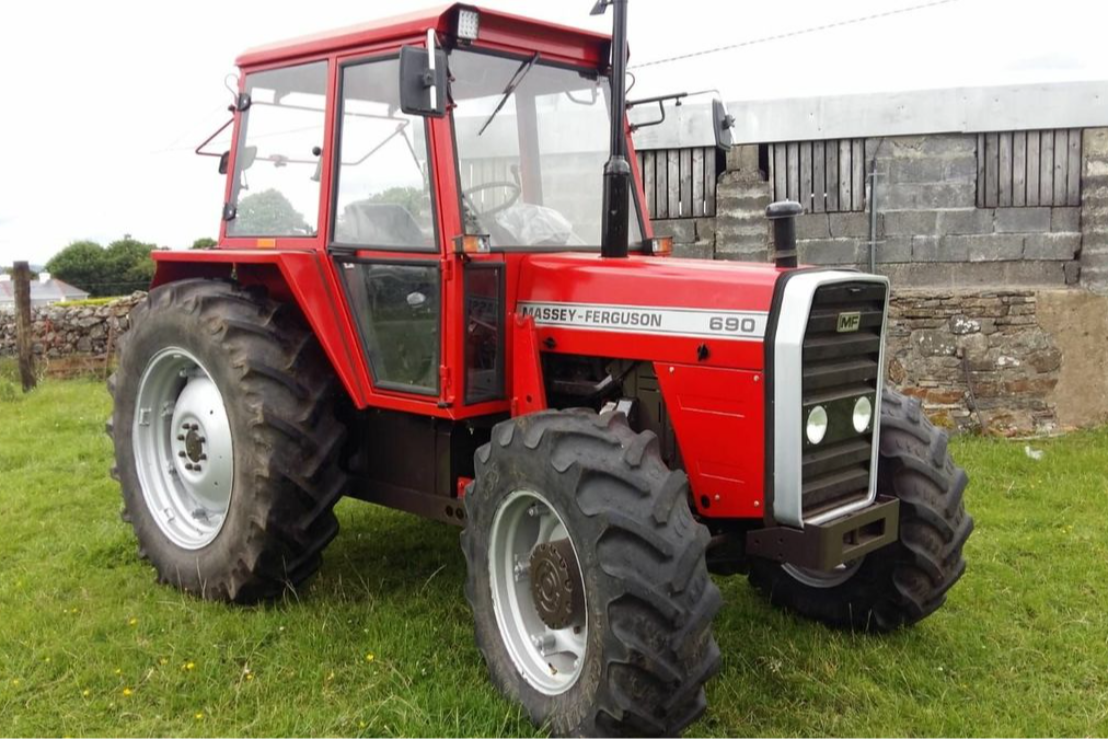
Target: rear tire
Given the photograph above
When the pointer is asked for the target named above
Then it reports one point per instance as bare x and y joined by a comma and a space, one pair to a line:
907, 581
279, 397
647, 647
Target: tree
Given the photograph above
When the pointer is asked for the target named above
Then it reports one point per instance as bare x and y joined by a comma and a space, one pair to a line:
130, 265
124, 267
268, 213
204, 243
82, 264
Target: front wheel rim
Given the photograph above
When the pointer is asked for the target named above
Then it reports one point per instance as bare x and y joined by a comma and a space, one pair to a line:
549, 659
183, 449
824, 578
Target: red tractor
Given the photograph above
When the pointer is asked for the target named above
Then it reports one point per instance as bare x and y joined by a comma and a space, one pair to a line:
436, 289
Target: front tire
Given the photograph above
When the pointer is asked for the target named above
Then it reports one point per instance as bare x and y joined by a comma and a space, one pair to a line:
636, 608
907, 581
226, 443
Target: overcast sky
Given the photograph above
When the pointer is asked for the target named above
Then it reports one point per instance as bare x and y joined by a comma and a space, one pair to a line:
105, 101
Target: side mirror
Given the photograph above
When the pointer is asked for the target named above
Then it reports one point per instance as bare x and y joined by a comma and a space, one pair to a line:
722, 123
224, 158
423, 79
248, 155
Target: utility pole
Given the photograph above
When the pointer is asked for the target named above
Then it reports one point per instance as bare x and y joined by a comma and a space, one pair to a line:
21, 276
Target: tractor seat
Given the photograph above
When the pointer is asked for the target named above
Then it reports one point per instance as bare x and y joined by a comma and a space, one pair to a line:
378, 224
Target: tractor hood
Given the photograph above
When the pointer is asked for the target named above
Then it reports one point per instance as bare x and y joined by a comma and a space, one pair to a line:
659, 309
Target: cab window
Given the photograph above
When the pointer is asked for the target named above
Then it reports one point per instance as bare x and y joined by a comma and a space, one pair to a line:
383, 178
275, 190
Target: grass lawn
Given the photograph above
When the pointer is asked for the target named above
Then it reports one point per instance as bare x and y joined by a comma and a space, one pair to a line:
380, 643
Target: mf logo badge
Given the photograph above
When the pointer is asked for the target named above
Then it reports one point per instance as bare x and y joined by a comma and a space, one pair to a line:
849, 321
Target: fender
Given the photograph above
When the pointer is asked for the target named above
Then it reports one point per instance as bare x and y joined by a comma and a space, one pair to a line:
294, 276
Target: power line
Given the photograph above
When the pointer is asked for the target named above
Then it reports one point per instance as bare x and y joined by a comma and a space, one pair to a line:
792, 34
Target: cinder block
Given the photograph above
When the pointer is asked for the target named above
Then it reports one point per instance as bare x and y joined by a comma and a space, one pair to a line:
910, 222
830, 251
895, 249
928, 196
939, 249
850, 225
949, 145
961, 169
1061, 246
1072, 270
682, 230
1022, 220
1065, 219
965, 221
705, 229
813, 226
699, 250
992, 247
916, 170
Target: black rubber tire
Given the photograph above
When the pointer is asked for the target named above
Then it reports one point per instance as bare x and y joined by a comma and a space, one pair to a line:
650, 601
907, 581
281, 396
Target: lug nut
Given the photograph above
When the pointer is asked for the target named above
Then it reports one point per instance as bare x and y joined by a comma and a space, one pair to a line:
180, 454
203, 457
188, 466
180, 437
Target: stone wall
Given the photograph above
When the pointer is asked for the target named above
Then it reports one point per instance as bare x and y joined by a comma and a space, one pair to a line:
63, 331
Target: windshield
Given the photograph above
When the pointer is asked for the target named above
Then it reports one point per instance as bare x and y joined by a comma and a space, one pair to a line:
532, 140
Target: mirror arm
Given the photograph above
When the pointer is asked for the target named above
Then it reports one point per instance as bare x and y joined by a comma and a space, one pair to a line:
199, 150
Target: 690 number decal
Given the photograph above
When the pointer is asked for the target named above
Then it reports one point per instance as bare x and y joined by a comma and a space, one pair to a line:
733, 324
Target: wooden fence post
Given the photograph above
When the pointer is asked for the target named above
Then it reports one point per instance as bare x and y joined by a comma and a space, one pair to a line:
21, 276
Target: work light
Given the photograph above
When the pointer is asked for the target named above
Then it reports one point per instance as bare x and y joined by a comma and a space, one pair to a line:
469, 23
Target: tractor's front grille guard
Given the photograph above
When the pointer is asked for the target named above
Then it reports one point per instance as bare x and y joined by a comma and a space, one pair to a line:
828, 349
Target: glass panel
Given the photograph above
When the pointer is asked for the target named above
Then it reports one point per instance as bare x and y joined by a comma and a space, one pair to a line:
532, 173
277, 168
384, 190
397, 309
483, 337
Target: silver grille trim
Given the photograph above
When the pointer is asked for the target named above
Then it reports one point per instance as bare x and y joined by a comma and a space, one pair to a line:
792, 325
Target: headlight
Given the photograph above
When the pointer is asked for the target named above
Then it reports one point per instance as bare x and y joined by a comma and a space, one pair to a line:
863, 414
817, 424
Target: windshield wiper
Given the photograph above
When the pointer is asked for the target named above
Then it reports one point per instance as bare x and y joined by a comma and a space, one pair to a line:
513, 83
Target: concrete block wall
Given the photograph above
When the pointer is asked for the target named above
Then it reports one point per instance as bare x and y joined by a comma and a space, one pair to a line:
930, 231
1094, 209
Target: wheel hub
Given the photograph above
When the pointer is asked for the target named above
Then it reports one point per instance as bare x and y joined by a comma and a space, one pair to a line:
194, 445
555, 584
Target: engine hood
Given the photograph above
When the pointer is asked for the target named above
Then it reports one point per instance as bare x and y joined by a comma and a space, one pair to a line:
662, 309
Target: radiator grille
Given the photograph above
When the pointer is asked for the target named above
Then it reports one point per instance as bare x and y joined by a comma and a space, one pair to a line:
838, 367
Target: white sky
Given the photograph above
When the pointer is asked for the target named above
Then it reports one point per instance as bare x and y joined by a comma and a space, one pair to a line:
104, 102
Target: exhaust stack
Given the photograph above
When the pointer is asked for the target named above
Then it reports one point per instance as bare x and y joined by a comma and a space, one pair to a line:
783, 214
617, 171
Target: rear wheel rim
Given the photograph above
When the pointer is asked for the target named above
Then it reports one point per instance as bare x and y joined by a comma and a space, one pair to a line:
824, 578
549, 659
184, 453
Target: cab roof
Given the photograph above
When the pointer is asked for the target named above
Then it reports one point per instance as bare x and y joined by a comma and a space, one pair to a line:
498, 30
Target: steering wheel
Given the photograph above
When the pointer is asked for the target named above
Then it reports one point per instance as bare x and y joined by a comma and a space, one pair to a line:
511, 186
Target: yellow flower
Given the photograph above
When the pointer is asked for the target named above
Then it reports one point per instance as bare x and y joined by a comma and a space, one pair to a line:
361, 724
250, 676
190, 666
127, 692
199, 715
15, 682
331, 676
118, 671
47, 660
133, 622
369, 657
86, 692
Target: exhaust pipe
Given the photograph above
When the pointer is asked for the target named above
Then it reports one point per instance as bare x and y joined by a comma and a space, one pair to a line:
783, 214
617, 171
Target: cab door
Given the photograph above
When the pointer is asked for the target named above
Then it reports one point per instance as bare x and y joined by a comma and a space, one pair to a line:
384, 234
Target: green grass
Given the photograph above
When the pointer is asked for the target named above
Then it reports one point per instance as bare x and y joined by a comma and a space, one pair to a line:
89, 644
88, 302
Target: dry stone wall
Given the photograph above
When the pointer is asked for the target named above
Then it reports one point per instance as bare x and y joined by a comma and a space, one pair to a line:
63, 331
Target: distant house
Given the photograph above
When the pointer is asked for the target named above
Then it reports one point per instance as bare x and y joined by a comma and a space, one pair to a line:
44, 291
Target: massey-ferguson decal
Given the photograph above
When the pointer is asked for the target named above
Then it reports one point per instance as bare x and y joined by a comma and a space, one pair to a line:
692, 322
